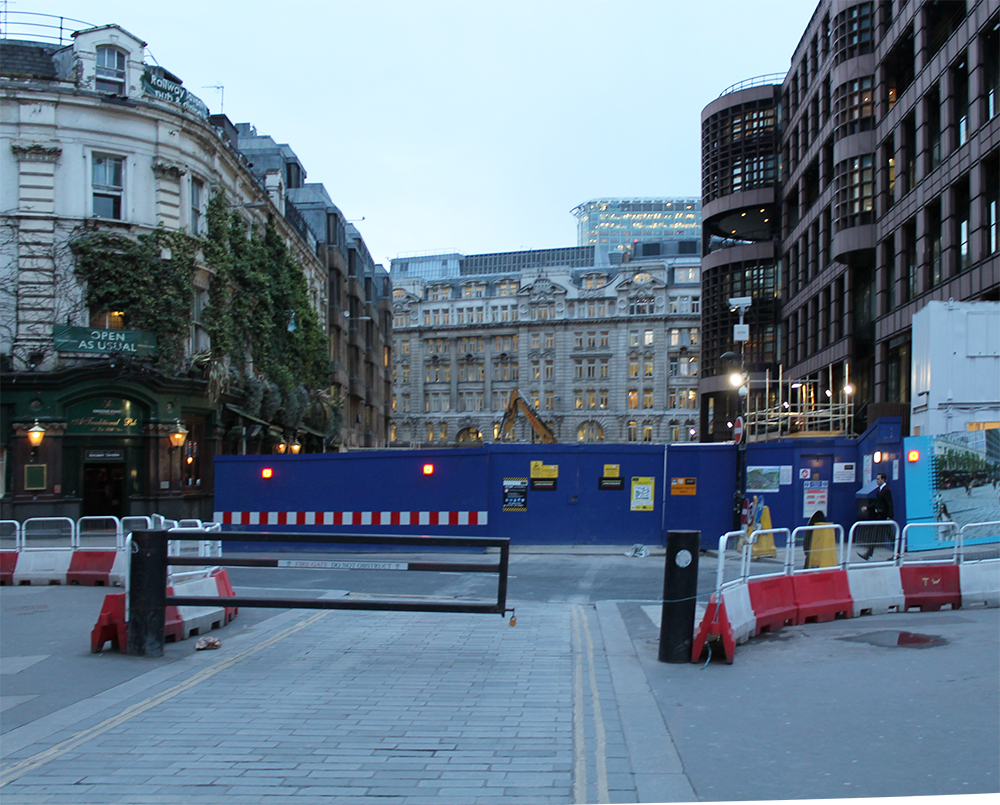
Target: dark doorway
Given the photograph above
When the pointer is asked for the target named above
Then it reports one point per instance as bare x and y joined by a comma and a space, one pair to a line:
103, 490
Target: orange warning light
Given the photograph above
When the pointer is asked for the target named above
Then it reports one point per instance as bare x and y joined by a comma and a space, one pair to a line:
267, 472
913, 456
428, 469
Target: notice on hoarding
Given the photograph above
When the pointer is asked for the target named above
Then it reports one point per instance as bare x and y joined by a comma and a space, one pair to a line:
515, 494
815, 497
642, 494
763, 479
843, 473
540, 469
683, 486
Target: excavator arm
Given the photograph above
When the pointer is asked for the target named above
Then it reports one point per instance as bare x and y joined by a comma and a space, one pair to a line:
516, 403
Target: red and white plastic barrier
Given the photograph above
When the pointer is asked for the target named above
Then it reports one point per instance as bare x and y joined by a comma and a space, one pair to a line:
750, 605
181, 622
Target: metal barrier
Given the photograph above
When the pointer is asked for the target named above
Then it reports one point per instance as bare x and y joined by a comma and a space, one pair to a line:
188, 547
876, 533
148, 578
964, 540
48, 533
99, 533
952, 551
10, 535
136, 523
807, 532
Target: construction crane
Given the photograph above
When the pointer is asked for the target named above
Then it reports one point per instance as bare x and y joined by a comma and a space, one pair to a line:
516, 402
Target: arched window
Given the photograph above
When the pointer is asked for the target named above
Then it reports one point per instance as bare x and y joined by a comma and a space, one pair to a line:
470, 436
590, 432
633, 431
110, 73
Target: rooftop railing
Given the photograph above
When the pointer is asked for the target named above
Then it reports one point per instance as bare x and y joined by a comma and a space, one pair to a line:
756, 81
36, 27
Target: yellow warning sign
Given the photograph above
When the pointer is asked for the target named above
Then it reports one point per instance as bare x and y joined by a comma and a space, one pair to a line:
612, 470
642, 494
683, 486
542, 470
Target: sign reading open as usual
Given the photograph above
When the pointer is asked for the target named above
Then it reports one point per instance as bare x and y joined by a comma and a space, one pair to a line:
86, 339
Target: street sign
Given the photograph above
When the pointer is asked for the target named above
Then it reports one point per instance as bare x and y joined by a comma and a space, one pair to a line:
738, 430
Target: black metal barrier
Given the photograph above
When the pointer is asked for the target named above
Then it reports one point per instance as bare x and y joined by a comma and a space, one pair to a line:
149, 562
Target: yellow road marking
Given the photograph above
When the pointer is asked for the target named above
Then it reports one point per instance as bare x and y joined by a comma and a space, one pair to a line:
579, 736
579, 732
35, 761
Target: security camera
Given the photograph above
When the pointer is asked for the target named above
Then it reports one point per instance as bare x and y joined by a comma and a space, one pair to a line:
740, 301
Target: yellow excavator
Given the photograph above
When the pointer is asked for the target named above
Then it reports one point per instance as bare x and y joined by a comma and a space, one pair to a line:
517, 402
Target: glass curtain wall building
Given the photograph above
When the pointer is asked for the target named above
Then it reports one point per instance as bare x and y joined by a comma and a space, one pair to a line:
616, 225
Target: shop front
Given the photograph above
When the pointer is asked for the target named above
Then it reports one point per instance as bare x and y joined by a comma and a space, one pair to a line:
107, 444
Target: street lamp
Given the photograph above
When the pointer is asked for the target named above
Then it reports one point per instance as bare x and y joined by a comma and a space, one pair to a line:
35, 435
295, 447
177, 436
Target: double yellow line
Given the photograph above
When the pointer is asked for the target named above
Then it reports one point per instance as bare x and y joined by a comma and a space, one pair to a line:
22, 767
584, 643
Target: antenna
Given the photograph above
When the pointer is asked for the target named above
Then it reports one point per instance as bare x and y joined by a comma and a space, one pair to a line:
222, 96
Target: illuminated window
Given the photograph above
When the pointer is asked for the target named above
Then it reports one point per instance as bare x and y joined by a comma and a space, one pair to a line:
633, 399
108, 320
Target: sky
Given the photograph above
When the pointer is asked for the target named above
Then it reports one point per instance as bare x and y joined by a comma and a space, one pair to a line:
463, 125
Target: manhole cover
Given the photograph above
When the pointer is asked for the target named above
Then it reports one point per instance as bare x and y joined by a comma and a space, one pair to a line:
894, 639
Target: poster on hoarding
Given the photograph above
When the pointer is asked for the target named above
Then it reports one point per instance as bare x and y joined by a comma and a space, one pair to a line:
815, 498
952, 480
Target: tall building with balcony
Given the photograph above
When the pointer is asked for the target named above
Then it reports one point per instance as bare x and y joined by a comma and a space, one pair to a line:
601, 351
887, 189
892, 155
741, 225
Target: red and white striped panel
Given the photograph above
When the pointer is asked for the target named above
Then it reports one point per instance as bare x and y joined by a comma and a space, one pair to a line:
351, 518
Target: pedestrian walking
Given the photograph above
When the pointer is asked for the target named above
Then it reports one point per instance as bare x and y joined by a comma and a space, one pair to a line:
882, 509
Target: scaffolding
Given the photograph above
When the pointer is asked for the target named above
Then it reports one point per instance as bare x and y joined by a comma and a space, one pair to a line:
797, 408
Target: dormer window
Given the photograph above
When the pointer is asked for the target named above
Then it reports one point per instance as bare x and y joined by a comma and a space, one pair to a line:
110, 72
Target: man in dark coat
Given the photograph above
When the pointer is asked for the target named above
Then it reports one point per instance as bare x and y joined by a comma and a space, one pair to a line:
882, 510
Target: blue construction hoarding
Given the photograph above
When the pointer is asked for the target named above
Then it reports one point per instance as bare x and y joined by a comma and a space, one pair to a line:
574, 494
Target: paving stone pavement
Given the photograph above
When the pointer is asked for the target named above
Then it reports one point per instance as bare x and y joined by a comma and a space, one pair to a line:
345, 707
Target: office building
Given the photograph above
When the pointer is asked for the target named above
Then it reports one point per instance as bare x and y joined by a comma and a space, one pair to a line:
619, 225
881, 155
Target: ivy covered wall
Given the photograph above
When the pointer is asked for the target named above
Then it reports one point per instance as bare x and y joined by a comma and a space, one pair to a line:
268, 350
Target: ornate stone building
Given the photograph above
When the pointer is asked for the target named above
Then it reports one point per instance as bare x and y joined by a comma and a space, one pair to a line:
602, 352
162, 300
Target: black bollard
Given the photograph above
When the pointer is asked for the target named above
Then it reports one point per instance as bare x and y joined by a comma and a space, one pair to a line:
680, 587
147, 594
